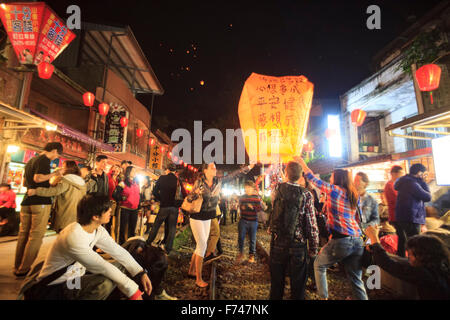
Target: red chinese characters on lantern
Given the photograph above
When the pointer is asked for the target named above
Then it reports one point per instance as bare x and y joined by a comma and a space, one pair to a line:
88, 99
358, 116
124, 122
428, 78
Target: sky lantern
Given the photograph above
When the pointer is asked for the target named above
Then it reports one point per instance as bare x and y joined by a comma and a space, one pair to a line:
277, 109
139, 132
202, 83
88, 99
124, 122
358, 116
45, 70
103, 108
428, 77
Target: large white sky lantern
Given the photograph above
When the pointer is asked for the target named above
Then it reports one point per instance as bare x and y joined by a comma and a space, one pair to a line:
335, 142
441, 156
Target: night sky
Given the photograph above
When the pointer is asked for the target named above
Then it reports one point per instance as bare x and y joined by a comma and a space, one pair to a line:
222, 43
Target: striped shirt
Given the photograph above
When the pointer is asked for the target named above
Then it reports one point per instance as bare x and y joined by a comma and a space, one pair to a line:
341, 217
250, 206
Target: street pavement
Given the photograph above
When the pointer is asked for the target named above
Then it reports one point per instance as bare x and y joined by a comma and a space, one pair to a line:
9, 285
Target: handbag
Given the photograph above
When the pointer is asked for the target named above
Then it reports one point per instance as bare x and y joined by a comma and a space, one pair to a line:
192, 206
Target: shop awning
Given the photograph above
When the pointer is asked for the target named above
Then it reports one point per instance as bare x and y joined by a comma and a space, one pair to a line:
16, 119
75, 134
389, 158
118, 48
434, 124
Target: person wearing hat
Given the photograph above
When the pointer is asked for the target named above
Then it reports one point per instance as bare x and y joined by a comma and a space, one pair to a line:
167, 191
410, 214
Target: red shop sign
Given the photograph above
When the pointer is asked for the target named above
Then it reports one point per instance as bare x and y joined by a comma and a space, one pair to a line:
37, 34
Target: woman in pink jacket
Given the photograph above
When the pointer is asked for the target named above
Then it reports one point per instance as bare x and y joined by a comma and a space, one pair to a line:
129, 205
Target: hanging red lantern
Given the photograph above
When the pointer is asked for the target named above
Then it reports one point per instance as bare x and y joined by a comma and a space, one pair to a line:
151, 142
163, 149
103, 108
139, 132
428, 77
124, 122
358, 116
88, 99
185, 165
45, 70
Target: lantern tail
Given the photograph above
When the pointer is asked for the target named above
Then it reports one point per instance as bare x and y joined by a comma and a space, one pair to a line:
431, 97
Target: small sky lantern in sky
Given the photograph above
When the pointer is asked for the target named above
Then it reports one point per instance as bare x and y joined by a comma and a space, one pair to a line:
202, 83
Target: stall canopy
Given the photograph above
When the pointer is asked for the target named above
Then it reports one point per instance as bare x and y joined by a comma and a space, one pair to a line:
425, 126
69, 132
15, 119
118, 48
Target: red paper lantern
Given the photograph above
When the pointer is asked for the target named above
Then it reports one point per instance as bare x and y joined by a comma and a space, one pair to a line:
45, 70
428, 77
358, 116
163, 149
88, 99
124, 122
103, 108
151, 141
185, 165
139, 132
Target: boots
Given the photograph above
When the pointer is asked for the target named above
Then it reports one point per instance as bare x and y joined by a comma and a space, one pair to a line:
199, 268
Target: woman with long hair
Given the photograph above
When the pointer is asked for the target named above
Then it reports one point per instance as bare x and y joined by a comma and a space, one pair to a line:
345, 245
68, 192
427, 266
129, 204
209, 186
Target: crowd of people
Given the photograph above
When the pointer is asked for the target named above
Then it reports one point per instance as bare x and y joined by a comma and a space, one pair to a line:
314, 225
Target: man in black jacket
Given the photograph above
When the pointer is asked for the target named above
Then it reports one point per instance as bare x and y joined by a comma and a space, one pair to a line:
165, 191
97, 183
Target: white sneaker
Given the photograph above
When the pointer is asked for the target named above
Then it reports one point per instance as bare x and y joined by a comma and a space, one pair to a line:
165, 296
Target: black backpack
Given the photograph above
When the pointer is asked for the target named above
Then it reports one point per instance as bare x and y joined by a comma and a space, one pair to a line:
286, 210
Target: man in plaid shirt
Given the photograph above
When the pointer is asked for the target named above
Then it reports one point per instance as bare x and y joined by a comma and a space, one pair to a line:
294, 229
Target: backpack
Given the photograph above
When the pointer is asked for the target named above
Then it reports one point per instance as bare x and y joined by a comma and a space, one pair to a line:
286, 210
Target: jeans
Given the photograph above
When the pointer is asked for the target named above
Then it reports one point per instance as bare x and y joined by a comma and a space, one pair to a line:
349, 252
33, 225
224, 216
168, 215
128, 221
288, 257
233, 214
405, 230
247, 227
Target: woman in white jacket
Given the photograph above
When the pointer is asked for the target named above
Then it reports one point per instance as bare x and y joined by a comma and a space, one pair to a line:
68, 192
